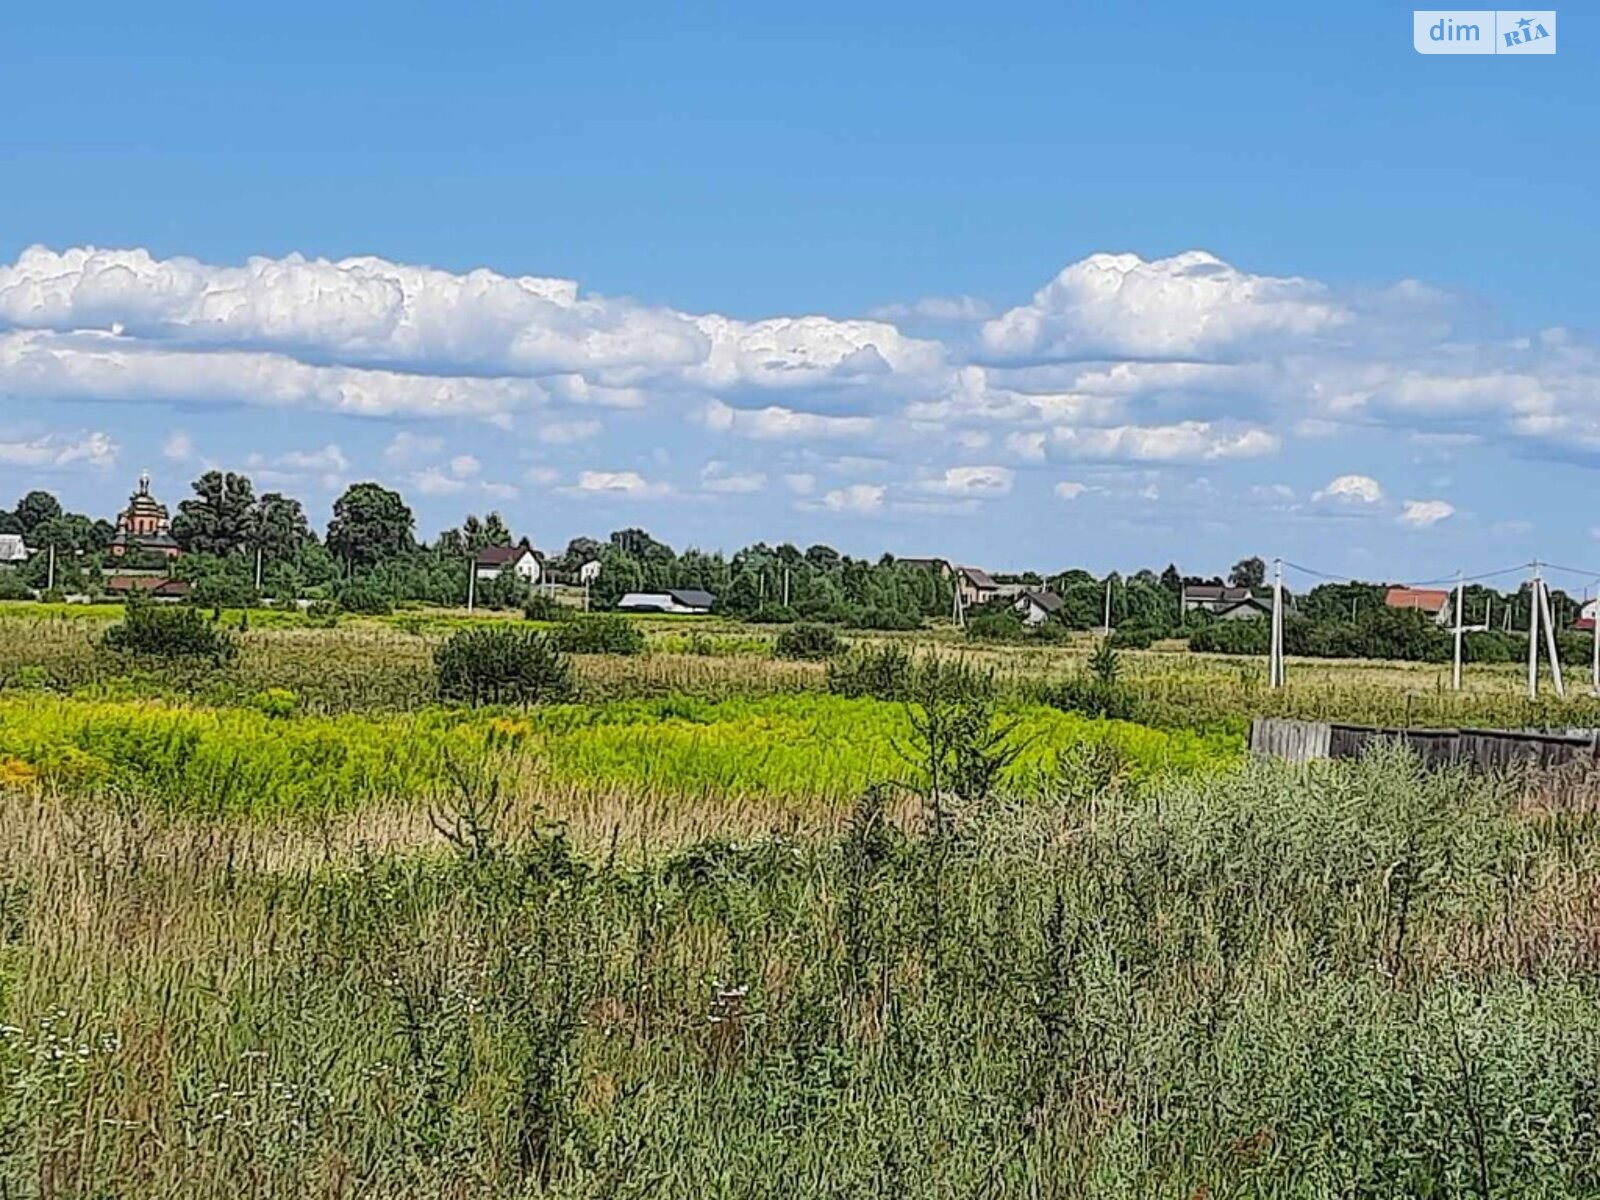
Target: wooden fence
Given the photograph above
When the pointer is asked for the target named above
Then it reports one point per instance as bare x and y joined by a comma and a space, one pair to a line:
1482, 749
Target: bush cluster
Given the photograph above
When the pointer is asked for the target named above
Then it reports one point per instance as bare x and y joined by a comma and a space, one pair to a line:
540, 607
599, 633
881, 672
364, 597
996, 625
808, 642
503, 665
169, 632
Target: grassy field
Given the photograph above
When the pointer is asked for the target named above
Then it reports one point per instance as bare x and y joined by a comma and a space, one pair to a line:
290, 927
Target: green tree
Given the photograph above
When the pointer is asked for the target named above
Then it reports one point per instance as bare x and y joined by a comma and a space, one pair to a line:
636, 543
217, 518
278, 528
370, 524
72, 533
35, 509
1248, 573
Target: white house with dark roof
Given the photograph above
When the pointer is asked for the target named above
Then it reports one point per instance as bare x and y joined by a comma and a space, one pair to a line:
1037, 605
13, 550
522, 560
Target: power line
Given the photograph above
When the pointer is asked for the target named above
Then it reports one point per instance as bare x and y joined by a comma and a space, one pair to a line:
1417, 583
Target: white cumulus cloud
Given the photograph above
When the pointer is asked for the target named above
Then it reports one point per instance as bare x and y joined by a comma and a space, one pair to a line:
776, 423
1195, 441
61, 450
857, 498
1350, 489
1422, 514
620, 483
971, 482
1187, 304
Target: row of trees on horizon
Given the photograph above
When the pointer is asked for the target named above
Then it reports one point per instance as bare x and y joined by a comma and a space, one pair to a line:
369, 557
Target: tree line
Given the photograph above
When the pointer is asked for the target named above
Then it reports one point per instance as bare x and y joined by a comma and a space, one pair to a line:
240, 546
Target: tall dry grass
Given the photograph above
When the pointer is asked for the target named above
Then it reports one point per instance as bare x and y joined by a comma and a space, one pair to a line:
1345, 980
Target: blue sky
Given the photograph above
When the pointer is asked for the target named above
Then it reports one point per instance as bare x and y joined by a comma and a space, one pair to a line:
1037, 286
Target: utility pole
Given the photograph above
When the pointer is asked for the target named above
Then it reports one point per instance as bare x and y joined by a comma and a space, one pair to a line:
472, 582
1594, 622
1275, 655
786, 587
1533, 633
1107, 625
1550, 639
258, 570
1461, 594
50, 583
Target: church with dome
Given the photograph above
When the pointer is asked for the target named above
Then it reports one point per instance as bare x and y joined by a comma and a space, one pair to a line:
144, 527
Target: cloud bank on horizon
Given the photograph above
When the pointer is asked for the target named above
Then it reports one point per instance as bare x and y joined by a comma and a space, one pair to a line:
1121, 378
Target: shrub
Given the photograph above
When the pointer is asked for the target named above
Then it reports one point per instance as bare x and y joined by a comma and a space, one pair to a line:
882, 672
773, 614
1104, 664
12, 585
809, 642
540, 607
365, 597
1134, 637
323, 614
1092, 697
276, 702
1250, 636
601, 633
163, 632
502, 665
1492, 646
1001, 625
888, 620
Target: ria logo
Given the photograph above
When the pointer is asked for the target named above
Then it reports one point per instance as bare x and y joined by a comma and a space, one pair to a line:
1483, 31
1527, 31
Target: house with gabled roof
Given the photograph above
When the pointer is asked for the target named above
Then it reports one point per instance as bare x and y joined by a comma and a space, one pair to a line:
1037, 605
522, 560
976, 586
13, 550
1433, 601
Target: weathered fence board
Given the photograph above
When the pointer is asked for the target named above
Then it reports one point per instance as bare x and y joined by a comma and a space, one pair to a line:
1293, 741
1482, 749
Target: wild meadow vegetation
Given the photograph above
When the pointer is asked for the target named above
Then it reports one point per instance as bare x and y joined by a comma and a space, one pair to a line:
416, 905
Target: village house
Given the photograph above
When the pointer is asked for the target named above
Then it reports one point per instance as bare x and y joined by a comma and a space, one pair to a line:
522, 560
13, 550
1037, 606
1224, 603
685, 601
144, 526
975, 587
1433, 601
